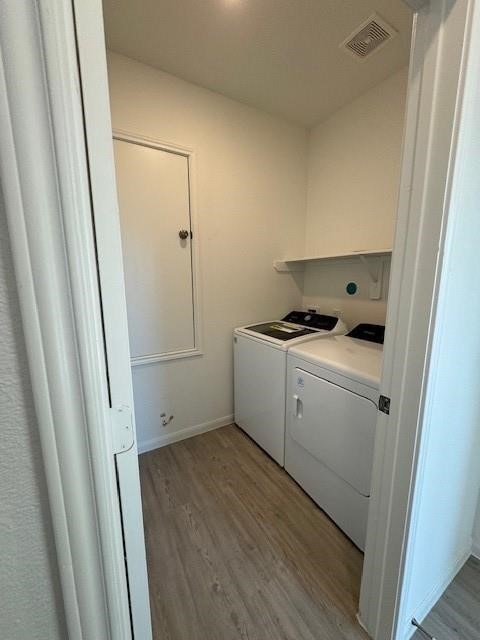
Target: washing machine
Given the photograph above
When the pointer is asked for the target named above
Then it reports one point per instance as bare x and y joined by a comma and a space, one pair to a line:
332, 402
260, 365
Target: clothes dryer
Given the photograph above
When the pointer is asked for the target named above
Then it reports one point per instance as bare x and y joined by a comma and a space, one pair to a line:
332, 400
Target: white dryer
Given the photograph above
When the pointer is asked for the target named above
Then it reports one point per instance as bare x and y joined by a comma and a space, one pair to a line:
260, 365
332, 400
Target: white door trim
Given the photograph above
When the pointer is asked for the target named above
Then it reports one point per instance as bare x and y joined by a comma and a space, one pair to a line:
462, 190
98, 139
435, 89
189, 154
45, 189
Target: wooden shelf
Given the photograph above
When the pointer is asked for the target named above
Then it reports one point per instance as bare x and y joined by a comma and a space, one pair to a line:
298, 263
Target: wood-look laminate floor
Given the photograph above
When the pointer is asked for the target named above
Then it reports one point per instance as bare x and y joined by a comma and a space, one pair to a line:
237, 550
456, 616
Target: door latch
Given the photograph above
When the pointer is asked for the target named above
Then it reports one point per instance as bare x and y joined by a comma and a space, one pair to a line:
122, 428
384, 404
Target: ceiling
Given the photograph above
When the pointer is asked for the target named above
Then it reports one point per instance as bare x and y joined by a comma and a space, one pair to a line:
281, 56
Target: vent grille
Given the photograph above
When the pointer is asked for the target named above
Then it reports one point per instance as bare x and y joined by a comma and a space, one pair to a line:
369, 37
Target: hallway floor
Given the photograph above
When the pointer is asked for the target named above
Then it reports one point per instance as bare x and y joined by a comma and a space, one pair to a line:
456, 616
237, 550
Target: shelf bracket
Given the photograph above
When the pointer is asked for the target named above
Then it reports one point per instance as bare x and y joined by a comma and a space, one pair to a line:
375, 271
284, 266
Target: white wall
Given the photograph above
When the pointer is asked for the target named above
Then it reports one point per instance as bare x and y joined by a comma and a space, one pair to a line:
30, 595
353, 178
354, 170
255, 205
251, 201
447, 495
325, 290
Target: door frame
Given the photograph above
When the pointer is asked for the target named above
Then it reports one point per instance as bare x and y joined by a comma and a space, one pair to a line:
87, 17
41, 126
189, 154
436, 81
45, 188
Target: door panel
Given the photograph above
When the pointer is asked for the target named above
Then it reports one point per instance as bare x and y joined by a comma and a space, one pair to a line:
334, 425
98, 128
153, 192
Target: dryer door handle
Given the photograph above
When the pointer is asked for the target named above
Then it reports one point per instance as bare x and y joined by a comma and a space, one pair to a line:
298, 407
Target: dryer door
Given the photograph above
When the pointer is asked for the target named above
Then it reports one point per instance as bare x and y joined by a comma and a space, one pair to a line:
334, 425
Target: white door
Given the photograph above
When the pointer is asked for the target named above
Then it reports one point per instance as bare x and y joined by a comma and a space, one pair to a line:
154, 201
98, 132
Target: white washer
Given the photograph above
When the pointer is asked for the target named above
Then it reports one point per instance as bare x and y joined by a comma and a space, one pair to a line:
332, 396
260, 366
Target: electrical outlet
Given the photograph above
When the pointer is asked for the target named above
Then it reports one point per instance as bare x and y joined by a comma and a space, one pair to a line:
167, 412
166, 419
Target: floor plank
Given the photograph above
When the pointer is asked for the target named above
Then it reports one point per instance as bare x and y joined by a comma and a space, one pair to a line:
236, 550
456, 616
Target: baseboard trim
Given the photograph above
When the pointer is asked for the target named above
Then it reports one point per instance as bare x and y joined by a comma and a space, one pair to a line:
183, 434
476, 549
361, 623
435, 594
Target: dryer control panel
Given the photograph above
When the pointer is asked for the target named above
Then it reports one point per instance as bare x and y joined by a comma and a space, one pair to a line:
369, 332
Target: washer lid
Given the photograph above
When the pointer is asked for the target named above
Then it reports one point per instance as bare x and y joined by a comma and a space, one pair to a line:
279, 330
356, 359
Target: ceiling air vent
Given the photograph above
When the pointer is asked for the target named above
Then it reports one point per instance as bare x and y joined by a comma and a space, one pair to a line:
370, 36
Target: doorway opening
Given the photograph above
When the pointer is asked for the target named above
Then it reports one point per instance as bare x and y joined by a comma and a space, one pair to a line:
255, 521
